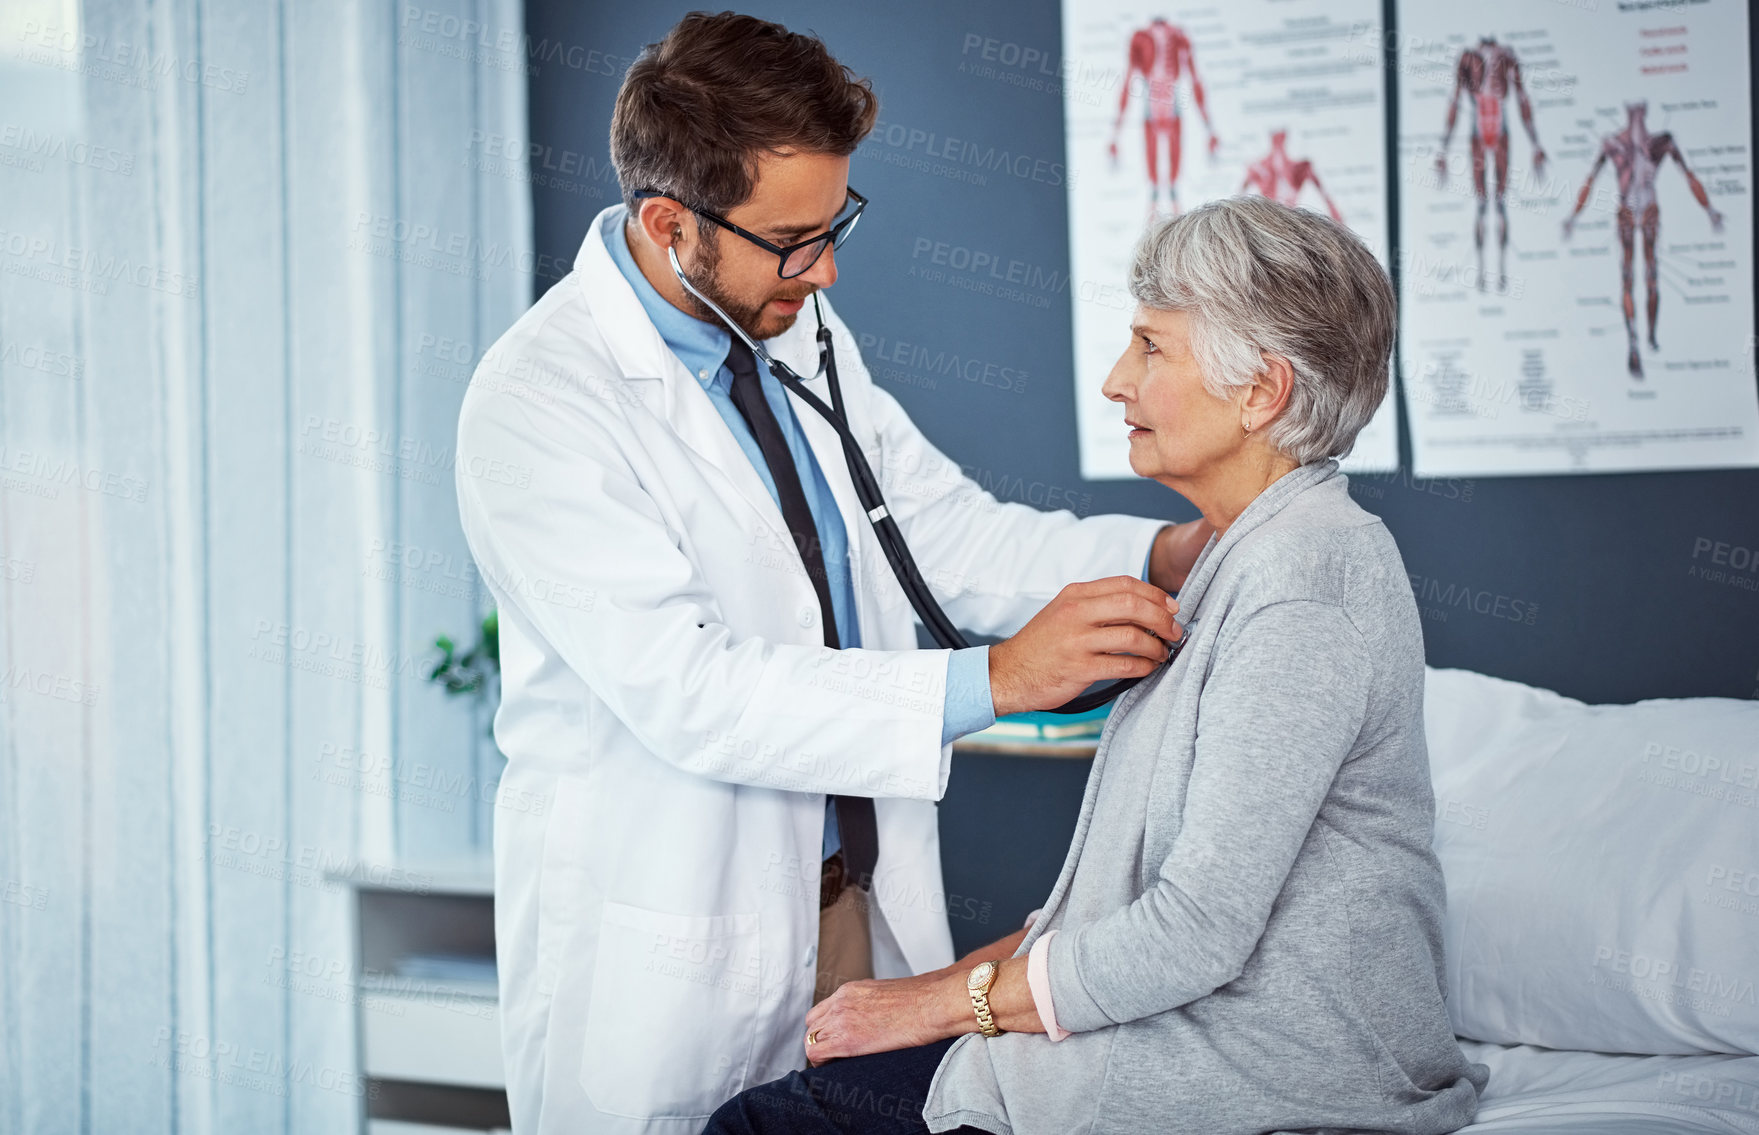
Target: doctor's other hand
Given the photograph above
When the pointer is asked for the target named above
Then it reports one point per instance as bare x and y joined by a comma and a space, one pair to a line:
1091, 632
1176, 548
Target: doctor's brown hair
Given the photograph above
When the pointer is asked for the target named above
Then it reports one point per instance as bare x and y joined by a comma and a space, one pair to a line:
697, 108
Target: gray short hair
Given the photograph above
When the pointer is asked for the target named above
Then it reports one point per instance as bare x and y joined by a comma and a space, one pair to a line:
1255, 278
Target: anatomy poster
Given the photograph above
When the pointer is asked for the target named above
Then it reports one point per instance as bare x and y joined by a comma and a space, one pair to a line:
1171, 106
1576, 236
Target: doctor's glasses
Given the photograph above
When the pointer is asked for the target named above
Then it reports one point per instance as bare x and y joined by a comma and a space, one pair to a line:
792, 259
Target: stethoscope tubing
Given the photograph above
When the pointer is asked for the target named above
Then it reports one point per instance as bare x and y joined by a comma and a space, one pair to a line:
868, 492
891, 538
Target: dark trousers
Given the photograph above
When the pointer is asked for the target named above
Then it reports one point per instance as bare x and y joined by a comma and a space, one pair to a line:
881, 1093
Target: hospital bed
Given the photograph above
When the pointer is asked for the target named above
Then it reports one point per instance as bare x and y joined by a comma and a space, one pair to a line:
1603, 906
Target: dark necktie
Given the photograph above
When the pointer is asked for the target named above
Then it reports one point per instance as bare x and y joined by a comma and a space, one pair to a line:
855, 818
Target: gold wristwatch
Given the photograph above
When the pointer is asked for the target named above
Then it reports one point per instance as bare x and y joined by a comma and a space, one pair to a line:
977, 984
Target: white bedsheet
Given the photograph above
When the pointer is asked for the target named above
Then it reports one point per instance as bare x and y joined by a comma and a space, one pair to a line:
1539, 1091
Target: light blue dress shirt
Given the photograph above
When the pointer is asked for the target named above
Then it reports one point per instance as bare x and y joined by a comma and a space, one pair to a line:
702, 348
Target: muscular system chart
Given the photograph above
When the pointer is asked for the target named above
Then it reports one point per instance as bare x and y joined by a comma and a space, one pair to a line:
1182, 105
1576, 237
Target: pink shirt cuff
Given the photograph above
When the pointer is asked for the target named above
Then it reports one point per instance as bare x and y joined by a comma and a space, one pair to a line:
1038, 979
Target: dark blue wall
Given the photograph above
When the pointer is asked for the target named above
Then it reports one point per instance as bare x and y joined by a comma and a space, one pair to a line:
1603, 564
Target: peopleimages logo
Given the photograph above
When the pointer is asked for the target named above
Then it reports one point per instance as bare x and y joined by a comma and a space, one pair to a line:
1709, 766
1732, 555
950, 364
1726, 1095
1477, 600
89, 49
89, 267
1671, 973
963, 152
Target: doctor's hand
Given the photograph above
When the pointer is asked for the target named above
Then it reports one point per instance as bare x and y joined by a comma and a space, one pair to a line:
1091, 632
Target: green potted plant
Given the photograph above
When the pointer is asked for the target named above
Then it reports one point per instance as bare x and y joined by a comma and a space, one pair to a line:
475, 672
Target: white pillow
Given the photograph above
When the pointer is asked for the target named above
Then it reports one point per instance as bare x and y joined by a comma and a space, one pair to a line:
1602, 867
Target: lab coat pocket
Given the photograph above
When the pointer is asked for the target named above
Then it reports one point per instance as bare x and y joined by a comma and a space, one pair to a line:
673, 1017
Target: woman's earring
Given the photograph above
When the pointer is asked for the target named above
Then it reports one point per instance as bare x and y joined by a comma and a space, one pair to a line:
1245, 430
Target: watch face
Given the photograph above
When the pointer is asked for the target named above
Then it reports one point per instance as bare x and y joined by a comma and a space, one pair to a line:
980, 976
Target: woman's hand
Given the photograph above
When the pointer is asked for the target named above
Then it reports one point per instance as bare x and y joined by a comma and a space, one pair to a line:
881, 1016
1175, 552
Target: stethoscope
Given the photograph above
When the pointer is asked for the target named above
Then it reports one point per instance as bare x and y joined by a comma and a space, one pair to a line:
867, 490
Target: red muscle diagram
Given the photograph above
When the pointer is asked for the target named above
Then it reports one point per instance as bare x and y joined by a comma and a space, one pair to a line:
1636, 156
1489, 73
1161, 54
1282, 178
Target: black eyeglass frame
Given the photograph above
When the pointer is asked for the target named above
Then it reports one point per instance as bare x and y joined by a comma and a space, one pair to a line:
830, 238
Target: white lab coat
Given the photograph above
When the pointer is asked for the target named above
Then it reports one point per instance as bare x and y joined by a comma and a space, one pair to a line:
672, 719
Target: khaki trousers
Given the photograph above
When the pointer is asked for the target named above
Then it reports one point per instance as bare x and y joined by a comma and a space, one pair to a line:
845, 948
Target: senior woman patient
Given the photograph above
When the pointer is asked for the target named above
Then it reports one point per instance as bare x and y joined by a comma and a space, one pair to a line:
1246, 934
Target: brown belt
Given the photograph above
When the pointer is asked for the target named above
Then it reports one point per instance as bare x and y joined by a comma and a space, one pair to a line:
833, 878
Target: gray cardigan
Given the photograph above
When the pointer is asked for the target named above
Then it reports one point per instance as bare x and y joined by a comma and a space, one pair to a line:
1249, 916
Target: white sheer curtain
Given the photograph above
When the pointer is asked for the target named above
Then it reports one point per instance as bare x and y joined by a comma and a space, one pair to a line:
250, 252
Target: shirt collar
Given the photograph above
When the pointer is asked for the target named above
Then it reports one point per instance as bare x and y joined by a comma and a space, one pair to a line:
700, 346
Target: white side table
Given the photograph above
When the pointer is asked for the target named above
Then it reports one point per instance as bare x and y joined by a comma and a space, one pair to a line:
427, 1013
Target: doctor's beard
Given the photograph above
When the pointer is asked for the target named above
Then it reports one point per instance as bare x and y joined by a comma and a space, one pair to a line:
705, 277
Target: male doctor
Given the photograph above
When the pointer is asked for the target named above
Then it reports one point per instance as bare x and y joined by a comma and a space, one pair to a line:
711, 680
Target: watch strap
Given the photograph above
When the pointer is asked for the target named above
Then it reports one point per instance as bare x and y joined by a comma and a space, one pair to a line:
986, 1022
